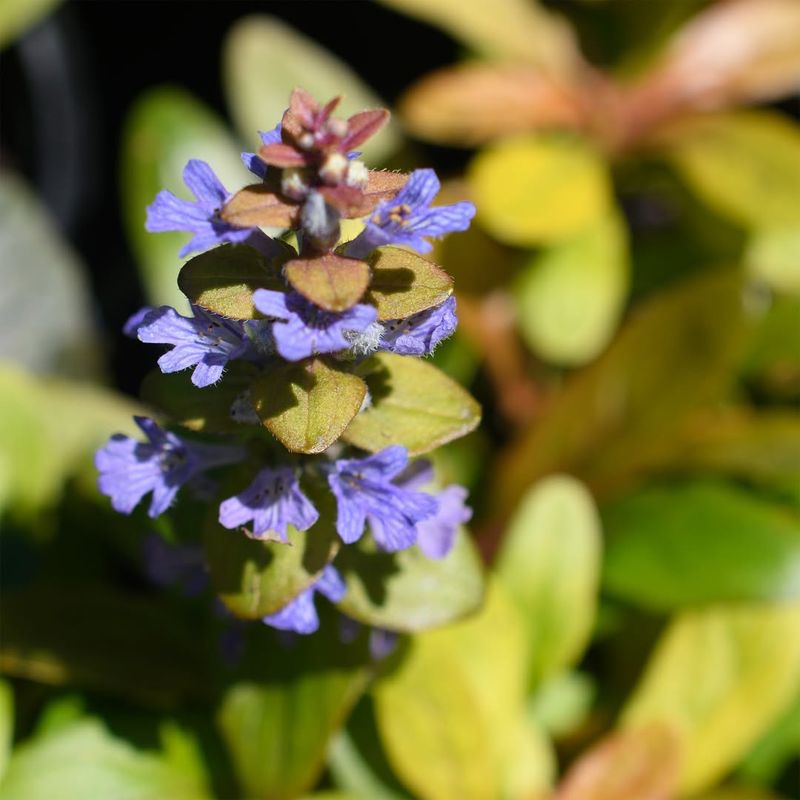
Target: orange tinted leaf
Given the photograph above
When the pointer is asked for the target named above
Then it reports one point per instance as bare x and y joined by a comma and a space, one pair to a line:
638, 764
332, 282
743, 50
470, 104
256, 205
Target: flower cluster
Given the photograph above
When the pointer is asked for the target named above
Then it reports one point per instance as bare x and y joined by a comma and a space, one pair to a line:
318, 305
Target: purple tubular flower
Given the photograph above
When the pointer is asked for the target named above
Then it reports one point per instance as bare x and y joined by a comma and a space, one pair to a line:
437, 534
175, 565
272, 501
251, 160
300, 615
206, 341
408, 218
130, 469
200, 217
134, 321
301, 329
419, 334
364, 492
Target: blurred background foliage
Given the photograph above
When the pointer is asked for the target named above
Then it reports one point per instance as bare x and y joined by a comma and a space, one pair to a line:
630, 318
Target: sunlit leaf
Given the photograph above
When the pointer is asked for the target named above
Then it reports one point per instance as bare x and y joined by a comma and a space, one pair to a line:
277, 726
448, 712
531, 190
662, 541
413, 404
404, 283
570, 298
562, 703
84, 760
720, 677
408, 591
6, 724
164, 130
773, 256
307, 405
776, 749
260, 45
638, 765
254, 578
44, 305
223, 280
516, 30
549, 562
18, 15
745, 165
677, 352
773, 362
473, 103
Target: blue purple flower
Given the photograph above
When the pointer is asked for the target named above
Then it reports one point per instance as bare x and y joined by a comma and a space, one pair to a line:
408, 218
301, 329
251, 160
130, 469
201, 216
437, 534
300, 615
365, 492
419, 334
273, 501
206, 341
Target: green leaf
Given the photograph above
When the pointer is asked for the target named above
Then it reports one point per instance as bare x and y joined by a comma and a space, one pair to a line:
516, 30
75, 636
776, 749
254, 578
164, 130
563, 703
45, 304
413, 404
677, 352
352, 771
408, 591
720, 677
16, 16
278, 721
333, 282
662, 539
210, 409
404, 283
6, 724
537, 189
223, 280
550, 563
260, 45
307, 405
449, 711
773, 256
738, 793
84, 760
746, 165
773, 362
570, 298
38, 452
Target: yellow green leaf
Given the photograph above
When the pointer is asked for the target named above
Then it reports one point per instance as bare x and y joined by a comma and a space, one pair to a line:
571, 296
413, 404
773, 256
536, 189
745, 165
550, 563
16, 16
307, 405
515, 30
449, 713
720, 676
264, 59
